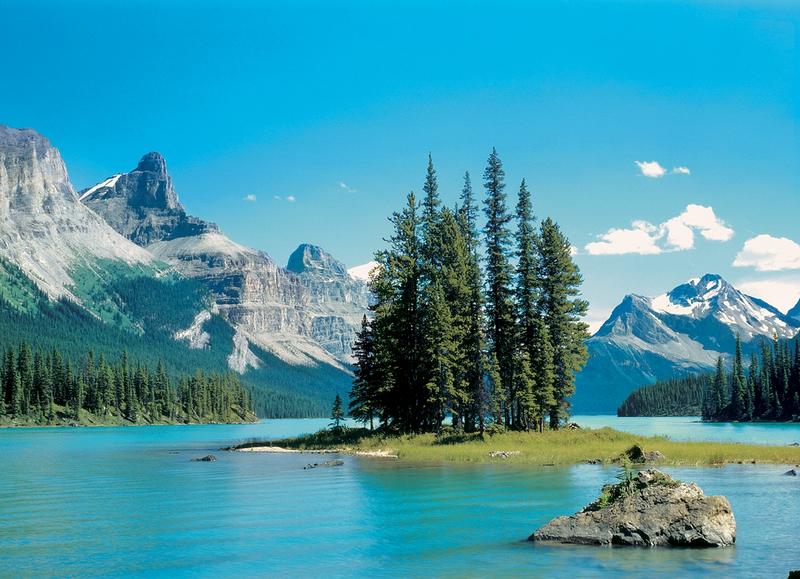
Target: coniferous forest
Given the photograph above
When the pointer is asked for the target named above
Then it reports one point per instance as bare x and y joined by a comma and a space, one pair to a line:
478, 326
766, 387
44, 387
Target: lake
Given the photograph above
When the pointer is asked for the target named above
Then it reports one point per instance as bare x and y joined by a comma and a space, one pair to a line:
129, 502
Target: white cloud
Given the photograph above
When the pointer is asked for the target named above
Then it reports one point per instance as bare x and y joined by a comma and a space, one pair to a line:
345, 187
640, 238
681, 170
289, 198
251, 198
783, 292
651, 169
675, 234
767, 253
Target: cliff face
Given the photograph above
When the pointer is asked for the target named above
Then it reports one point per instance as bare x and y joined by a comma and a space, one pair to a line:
44, 229
306, 313
337, 301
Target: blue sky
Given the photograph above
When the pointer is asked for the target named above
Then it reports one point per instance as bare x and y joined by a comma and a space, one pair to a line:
324, 113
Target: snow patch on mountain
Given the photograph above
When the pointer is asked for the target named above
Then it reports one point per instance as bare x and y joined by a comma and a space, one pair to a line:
363, 272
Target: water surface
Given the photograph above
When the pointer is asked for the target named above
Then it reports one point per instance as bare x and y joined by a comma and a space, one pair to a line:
128, 502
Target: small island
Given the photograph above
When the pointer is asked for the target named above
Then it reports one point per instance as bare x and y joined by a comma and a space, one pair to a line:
648, 509
549, 448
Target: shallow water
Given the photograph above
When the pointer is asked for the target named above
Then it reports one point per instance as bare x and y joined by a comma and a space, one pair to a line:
128, 502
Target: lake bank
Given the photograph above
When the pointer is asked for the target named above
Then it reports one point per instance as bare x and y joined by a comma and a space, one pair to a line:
561, 447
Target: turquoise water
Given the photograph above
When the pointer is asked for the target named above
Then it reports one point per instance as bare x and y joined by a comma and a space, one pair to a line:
128, 502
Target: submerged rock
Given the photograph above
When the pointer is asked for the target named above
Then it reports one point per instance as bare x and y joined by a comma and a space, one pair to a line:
327, 463
206, 458
651, 509
791, 472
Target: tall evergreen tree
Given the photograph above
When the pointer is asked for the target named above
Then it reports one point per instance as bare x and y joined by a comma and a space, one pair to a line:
499, 303
364, 396
562, 310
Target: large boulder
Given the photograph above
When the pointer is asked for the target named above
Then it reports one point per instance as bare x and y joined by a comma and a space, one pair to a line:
650, 509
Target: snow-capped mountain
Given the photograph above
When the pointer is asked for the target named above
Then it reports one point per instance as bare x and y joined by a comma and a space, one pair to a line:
44, 229
682, 331
306, 313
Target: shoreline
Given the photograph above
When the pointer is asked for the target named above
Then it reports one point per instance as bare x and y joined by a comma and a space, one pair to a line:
562, 447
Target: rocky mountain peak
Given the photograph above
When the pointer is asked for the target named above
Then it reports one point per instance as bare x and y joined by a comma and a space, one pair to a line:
142, 205
309, 258
153, 162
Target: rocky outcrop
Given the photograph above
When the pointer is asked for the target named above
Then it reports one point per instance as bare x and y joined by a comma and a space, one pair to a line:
337, 301
44, 229
649, 510
307, 313
142, 205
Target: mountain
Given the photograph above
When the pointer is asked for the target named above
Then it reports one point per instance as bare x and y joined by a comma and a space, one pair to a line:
681, 332
44, 230
794, 313
305, 314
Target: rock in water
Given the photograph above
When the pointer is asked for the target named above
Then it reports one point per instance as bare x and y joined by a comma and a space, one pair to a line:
652, 510
206, 458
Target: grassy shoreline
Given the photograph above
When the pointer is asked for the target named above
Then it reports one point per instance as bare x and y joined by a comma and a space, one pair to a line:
562, 447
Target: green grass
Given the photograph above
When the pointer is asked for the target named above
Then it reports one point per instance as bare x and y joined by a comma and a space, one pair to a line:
560, 447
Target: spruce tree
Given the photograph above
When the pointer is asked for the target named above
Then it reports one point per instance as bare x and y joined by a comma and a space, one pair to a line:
337, 413
499, 303
738, 396
364, 396
562, 309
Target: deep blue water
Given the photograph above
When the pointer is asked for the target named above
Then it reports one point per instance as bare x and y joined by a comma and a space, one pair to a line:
128, 502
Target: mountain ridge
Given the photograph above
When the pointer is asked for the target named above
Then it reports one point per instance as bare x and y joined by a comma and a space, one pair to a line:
680, 332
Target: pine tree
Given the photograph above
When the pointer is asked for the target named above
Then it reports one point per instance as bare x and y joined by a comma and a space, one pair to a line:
499, 303
562, 309
719, 392
473, 357
337, 413
738, 396
441, 397
543, 371
364, 396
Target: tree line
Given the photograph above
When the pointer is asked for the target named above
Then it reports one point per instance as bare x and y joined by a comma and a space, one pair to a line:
675, 397
44, 386
768, 389
479, 325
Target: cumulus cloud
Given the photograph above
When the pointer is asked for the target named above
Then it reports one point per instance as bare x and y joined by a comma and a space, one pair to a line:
651, 169
675, 234
783, 292
251, 198
345, 187
288, 198
681, 170
767, 253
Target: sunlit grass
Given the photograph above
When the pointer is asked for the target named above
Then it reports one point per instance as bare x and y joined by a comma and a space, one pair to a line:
549, 448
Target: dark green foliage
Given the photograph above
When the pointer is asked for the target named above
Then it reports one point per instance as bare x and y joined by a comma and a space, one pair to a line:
438, 346
676, 397
768, 390
38, 382
157, 308
337, 413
